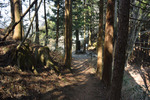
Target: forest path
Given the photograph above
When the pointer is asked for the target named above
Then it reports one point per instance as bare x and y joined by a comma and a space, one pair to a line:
82, 84
89, 88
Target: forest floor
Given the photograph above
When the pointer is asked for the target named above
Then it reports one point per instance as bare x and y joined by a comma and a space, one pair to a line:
81, 84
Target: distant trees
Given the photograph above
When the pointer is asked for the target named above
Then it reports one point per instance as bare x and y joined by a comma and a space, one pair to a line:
81, 17
77, 22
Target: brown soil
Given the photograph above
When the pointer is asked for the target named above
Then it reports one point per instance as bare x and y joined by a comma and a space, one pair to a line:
82, 84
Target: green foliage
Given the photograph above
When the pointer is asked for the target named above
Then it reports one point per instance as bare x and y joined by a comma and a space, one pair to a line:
61, 16
51, 31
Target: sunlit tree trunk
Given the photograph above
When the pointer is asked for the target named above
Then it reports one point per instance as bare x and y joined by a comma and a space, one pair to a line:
37, 24
57, 30
90, 36
18, 29
90, 30
90, 27
108, 43
45, 17
100, 42
68, 33
120, 52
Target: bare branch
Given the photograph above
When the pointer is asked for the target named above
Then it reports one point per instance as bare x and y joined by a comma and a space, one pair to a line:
12, 28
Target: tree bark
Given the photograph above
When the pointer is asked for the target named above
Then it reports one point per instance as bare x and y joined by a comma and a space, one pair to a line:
45, 17
120, 52
84, 48
30, 17
68, 33
77, 41
30, 23
108, 43
100, 43
18, 29
57, 30
90, 27
37, 24
90, 34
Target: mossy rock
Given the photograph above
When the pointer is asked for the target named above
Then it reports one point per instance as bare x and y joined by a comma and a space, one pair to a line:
43, 58
35, 59
25, 59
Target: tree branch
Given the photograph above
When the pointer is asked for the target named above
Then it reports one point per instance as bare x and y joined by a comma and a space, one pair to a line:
12, 28
29, 27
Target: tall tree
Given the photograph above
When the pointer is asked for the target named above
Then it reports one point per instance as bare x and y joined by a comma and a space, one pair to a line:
84, 48
59, 9
120, 52
108, 43
18, 29
57, 30
68, 33
45, 17
37, 24
100, 42
30, 15
77, 21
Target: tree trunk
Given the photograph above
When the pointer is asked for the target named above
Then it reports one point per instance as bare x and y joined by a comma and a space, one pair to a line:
37, 24
90, 26
57, 30
108, 43
77, 41
68, 33
30, 16
30, 23
120, 52
100, 42
90, 43
22, 31
70, 30
46, 40
17, 33
84, 48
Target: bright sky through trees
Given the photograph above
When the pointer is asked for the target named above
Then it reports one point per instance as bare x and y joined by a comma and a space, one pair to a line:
5, 12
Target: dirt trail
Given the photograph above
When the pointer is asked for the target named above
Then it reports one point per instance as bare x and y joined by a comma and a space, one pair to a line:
91, 88
81, 85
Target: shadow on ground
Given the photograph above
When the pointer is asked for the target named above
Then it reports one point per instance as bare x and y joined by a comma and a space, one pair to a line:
82, 84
